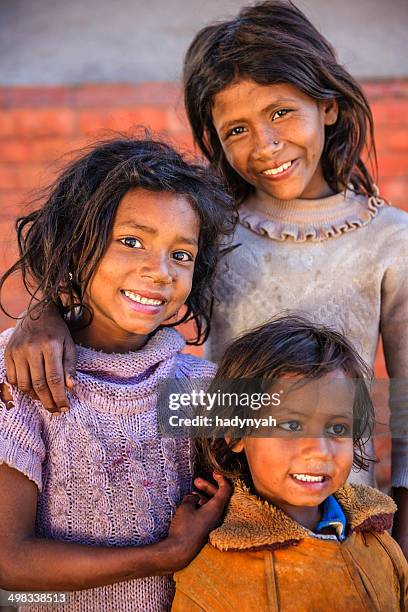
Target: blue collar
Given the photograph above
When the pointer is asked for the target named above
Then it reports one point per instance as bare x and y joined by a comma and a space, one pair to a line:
332, 516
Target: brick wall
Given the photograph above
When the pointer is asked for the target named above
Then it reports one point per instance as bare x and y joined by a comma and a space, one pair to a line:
40, 124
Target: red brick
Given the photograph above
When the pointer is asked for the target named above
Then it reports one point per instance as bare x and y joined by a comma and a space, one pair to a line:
392, 139
23, 177
34, 123
395, 190
11, 202
35, 96
37, 150
7, 124
125, 95
390, 111
124, 119
396, 88
392, 165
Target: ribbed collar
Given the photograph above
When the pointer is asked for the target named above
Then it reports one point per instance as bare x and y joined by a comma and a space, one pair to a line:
253, 524
122, 382
311, 220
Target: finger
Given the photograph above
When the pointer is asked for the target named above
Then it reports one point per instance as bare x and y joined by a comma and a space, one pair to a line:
69, 362
206, 487
23, 375
10, 368
55, 376
39, 382
191, 499
224, 492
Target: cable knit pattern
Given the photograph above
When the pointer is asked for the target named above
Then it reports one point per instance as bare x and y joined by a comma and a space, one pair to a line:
105, 475
341, 260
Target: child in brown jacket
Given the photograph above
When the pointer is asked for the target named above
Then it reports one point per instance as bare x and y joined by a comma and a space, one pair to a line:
295, 537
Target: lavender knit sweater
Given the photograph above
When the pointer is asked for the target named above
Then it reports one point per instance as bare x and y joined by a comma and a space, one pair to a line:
105, 476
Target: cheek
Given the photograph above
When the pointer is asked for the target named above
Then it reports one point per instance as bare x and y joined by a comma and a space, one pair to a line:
267, 457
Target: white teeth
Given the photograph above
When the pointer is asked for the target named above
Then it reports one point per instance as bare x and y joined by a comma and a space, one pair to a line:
308, 478
142, 300
278, 170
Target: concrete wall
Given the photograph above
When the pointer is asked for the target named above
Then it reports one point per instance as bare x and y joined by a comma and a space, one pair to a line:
55, 42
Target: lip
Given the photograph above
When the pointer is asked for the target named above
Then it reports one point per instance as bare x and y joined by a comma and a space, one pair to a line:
147, 294
317, 486
282, 175
148, 309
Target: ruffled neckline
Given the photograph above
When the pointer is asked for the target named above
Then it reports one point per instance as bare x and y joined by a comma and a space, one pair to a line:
311, 220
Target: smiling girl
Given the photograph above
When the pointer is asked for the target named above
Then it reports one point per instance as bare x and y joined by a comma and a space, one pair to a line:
295, 535
128, 236
289, 128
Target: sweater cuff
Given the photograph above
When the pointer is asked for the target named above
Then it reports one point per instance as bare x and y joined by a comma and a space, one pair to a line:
27, 463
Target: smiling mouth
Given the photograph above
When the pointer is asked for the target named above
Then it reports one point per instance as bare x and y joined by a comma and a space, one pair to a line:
309, 477
141, 299
279, 170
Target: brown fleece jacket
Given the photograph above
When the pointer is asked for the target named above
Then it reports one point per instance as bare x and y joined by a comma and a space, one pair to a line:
260, 559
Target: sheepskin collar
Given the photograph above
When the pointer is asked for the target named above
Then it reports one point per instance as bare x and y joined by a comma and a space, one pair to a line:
251, 523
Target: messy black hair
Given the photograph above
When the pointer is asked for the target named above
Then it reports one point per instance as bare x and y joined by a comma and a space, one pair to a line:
287, 345
274, 42
61, 243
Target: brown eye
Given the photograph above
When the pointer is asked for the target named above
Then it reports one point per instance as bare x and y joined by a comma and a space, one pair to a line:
182, 256
131, 242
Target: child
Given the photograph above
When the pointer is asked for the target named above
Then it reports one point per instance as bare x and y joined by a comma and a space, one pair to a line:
286, 126
129, 235
295, 535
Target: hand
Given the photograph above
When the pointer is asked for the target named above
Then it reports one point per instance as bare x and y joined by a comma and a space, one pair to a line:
197, 515
40, 358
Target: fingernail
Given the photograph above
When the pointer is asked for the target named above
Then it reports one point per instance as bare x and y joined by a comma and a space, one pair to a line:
64, 409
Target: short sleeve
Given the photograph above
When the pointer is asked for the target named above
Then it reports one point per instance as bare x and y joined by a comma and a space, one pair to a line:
21, 443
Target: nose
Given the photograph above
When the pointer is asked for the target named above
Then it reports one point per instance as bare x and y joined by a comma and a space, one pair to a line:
316, 449
158, 268
267, 143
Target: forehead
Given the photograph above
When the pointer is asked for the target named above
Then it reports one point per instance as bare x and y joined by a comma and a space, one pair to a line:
246, 93
332, 394
157, 209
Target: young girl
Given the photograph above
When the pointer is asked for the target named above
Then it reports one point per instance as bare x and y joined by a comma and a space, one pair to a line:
129, 235
295, 536
286, 125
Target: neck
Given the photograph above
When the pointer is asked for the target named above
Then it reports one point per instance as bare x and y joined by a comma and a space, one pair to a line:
108, 343
307, 516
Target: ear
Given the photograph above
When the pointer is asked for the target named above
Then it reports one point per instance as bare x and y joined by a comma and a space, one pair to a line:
238, 446
330, 110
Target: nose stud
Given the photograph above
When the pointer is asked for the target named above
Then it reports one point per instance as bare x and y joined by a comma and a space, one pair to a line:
276, 142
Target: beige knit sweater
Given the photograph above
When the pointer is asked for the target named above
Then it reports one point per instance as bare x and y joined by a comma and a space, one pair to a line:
342, 260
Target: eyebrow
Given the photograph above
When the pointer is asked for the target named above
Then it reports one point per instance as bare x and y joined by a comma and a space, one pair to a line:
268, 108
291, 413
153, 232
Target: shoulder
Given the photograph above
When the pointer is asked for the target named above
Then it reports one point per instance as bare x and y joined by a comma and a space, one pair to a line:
392, 222
366, 508
190, 366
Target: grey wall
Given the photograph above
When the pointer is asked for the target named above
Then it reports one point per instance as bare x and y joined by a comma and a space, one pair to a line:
74, 41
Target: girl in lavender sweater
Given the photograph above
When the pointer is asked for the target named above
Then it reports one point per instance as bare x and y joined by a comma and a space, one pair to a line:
128, 236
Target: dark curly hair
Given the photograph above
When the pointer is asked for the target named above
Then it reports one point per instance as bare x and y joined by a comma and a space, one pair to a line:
61, 243
274, 42
289, 344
